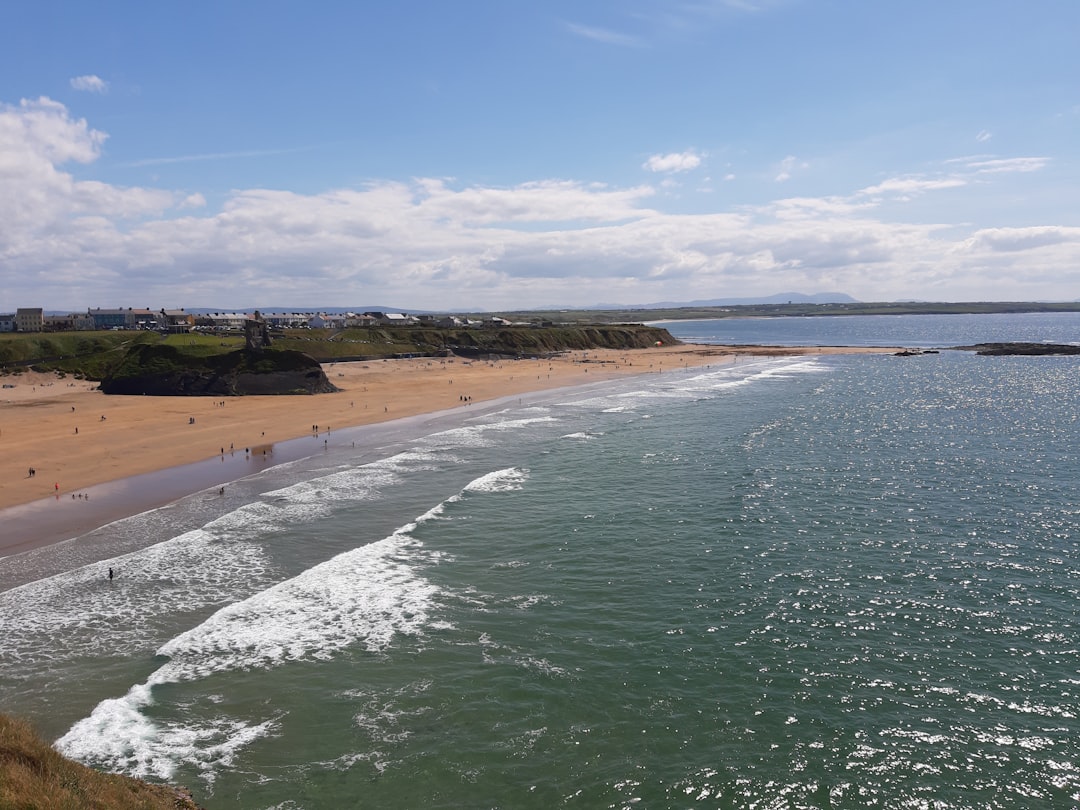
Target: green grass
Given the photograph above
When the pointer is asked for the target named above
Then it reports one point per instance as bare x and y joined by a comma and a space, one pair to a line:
86, 354
96, 355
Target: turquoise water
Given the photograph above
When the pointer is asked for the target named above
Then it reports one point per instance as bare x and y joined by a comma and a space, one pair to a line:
915, 331
821, 582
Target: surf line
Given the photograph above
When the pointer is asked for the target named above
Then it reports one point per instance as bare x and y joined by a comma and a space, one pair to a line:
366, 594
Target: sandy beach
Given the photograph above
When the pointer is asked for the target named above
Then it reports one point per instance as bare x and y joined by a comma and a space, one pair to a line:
76, 439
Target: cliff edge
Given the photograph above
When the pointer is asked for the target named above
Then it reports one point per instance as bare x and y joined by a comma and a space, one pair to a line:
163, 370
33, 774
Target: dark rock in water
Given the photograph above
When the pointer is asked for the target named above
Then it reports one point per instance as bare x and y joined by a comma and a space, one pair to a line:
161, 370
1001, 349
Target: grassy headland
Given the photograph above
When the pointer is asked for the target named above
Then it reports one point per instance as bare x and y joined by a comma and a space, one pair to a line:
97, 355
34, 775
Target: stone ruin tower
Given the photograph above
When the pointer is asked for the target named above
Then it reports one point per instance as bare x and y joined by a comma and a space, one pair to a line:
256, 333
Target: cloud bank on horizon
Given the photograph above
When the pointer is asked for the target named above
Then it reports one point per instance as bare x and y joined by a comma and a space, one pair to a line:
564, 155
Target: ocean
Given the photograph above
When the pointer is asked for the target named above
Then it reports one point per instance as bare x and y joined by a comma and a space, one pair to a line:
830, 581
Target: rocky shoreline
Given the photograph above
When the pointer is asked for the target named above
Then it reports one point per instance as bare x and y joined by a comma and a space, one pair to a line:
1031, 349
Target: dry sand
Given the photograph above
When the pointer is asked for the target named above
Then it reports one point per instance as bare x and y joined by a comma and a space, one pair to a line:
76, 437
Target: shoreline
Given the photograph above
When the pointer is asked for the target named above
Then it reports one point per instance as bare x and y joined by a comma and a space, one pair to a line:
101, 458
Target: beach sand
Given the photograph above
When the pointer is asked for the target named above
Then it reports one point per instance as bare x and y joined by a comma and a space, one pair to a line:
78, 439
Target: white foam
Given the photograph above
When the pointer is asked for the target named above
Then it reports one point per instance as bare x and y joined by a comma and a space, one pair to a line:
743, 375
353, 483
82, 613
508, 480
204, 567
363, 597
472, 436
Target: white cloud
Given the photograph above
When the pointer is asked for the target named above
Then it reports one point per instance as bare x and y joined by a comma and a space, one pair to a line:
434, 243
90, 84
787, 166
984, 136
1018, 239
605, 35
534, 202
813, 207
715, 8
37, 137
910, 186
243, 153
1021, 164
673, 162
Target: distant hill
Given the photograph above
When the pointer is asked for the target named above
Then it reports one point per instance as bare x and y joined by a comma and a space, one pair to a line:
779, 298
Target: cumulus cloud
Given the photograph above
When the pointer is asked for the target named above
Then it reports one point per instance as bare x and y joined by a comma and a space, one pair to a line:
90, 84
435, 243
533, 202
37, 138
673, 162
1017, 239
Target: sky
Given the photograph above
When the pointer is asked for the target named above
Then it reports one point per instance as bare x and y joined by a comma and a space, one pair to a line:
487, 155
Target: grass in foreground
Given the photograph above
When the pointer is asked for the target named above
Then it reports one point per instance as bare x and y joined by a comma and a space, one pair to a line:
33, 776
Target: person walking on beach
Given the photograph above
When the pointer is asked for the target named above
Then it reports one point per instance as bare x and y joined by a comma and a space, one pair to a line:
110, 574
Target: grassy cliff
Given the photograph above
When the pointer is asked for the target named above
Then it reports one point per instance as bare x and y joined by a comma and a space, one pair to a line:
100, 355
34, 775
513, 341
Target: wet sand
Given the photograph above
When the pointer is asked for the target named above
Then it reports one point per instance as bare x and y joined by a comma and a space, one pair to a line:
98, 458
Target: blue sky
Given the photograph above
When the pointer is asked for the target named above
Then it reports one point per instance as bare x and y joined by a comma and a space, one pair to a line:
503, 154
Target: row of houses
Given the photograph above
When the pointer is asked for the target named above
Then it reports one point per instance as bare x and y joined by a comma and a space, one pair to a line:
177, 320
34, 319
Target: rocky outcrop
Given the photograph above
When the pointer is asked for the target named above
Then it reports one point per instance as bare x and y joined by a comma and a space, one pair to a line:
1000, 349
162, 370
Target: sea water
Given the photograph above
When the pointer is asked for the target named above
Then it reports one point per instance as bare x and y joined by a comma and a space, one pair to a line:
821, 582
